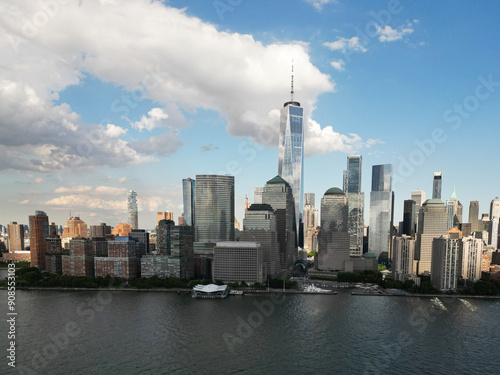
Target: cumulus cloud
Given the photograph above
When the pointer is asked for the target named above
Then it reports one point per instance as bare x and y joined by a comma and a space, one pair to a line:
122, 180
338, 64
73, 189
344, 44
388, 34
324, 140
243, 80
114, 131
85, 201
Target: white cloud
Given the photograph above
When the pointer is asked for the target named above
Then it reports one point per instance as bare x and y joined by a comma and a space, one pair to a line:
73, 189
109, 190
344, 44
157, 118
319, 4
388, 34
325, 140
122, 180
338, 64
75, 201
163, 57
114, 131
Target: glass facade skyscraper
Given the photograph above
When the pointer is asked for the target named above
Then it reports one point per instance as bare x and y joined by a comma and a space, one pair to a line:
291, 156
188, 187
356, 202
419, 197
278, 194
333, 237
214, 208
133, 214
436, 185
380, 210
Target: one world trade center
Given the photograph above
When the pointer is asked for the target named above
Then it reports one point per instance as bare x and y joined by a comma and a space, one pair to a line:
291, 156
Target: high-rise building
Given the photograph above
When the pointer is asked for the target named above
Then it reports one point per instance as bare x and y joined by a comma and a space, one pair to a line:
80, 261
495, 218
214, 208
39, 231
419, 197
447, 260
474, 215
291, 156
356, 201
238, 261
310, 221
310, 199
436, 185
75, 227
122, 229
404, 255
259, 225
257, 194
100, 230
188, 199
454, 210
380, 210
333, 237
471, 258
433, 223
121, 260
164, 215
16, 237
409, 218
278, 194
53, 229
133, 213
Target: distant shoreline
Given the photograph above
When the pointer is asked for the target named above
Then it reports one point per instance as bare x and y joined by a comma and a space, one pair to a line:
169, 290
257, 292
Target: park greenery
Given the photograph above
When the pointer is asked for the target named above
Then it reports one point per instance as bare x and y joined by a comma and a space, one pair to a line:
27, 276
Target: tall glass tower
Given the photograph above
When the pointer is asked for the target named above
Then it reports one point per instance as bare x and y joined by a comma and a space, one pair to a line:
436, 185
291, 156
133, 214
214, 208
356, 202
380, 209
188, 186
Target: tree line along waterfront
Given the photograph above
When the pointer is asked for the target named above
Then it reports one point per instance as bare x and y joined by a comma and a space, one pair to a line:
27, 276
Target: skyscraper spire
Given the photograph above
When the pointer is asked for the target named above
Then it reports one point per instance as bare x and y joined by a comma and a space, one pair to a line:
291, 92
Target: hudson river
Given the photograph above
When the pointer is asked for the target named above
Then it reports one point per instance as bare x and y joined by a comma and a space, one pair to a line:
83, 332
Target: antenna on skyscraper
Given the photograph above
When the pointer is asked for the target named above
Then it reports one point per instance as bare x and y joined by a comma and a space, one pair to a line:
291, 92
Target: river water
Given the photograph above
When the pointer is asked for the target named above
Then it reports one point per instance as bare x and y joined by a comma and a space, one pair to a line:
128, 332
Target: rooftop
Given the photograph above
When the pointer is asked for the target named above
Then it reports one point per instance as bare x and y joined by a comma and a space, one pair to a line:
238, 244
277, 180
433, 201
334, 191
210, 288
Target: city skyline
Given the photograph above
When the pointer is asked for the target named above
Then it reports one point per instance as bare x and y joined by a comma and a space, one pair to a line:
345, 85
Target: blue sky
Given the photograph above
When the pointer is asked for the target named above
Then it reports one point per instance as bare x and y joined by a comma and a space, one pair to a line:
107, 96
